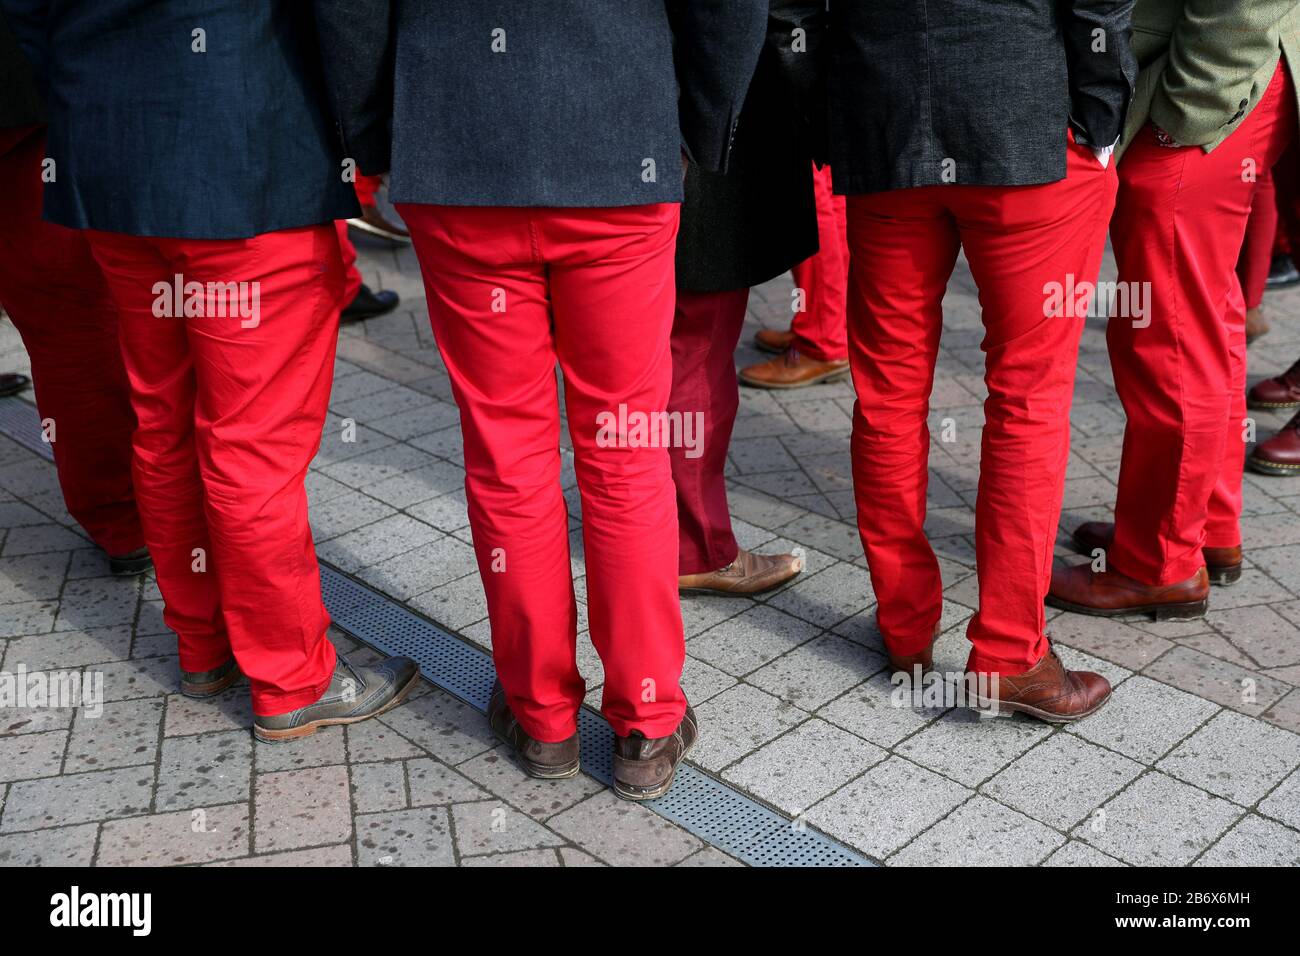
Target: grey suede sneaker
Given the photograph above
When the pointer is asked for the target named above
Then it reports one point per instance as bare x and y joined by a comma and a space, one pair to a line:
354, 693
209, 683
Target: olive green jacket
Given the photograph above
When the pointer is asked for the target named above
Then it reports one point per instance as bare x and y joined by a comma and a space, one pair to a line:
1204, 64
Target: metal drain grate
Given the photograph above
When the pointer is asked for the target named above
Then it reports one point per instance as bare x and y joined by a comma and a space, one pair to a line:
708, 808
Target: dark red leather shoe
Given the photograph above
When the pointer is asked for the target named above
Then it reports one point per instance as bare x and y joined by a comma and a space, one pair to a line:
1279, 455
1280, 391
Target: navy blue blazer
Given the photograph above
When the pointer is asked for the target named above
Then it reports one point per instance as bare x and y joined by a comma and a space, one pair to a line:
539, 103
159, 130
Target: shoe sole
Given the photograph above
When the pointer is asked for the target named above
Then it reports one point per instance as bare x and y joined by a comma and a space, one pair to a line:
816, 380
130, 570
1046, 716
1271, 468
539, 771
1222, 575
376, 231
1265, 405
640, 796
1161, 612
212, 688
306, 730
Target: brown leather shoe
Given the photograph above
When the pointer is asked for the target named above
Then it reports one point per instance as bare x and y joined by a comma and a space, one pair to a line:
906, 662
750, 573
1280, 391
775, 341
1049, 692
1110, 594
1279, 455
792, 369
209, 683
1222, 564
644, 768
1256, 324
556, 761
374, 223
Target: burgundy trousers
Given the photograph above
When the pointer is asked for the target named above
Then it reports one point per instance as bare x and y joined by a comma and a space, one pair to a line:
706, 329
53, 291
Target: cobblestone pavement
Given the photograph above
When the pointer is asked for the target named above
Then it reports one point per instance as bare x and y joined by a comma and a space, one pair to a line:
1194, 760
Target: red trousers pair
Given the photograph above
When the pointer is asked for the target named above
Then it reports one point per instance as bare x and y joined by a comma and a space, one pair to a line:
821, 327
1019, 241
230, 412
1178, 228
511, 292
53, 291
706, 329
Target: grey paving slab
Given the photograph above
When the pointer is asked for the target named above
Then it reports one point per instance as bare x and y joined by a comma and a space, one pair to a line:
27, 756
816, 672
981, 833
622, 833
1062, 779
1254, 842
801, 767
498, 773
299, 808
1234, 756
887, 807
204, 769
420, 837
431, 782
751, 639
737, 722
126, 733
1145, 719
1079, 854
1158, 821
492, 826
77, 798
446, 728
173, 839
970, 748
377, 787
872, 711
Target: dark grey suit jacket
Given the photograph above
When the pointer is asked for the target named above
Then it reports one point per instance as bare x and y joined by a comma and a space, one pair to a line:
982, 90
545, 103
152, 138
20, 105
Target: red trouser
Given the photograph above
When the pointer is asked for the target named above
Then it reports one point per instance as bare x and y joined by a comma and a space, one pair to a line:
821, 328
1178, 226
366, 188
53, 291
706, 329
1018, 240
1261, 236
351, 275
231, 411
510, 292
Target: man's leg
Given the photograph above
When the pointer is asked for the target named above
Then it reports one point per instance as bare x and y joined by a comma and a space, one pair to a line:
613, 293
904, 245
262, 384
821, 327
1029, 249
156, 355
1178, 228
491, 315
706, 328
53, 290
816, 347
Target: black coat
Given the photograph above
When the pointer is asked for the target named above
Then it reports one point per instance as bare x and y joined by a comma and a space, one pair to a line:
555, 103
20, 105
151, 137
977, 92
760, 218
